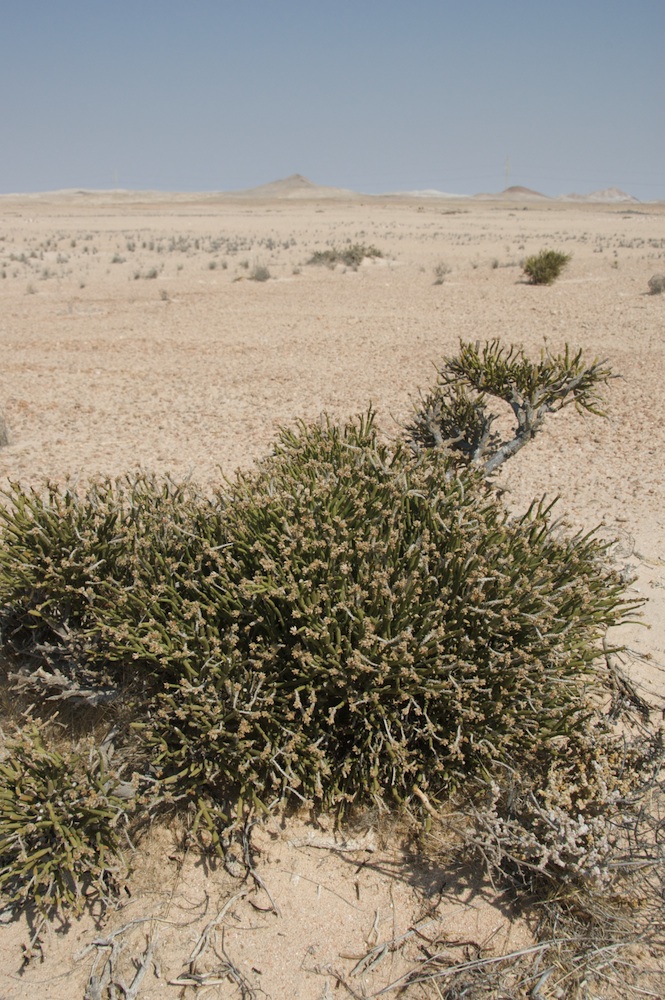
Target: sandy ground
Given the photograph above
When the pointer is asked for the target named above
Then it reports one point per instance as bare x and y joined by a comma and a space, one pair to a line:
132, 335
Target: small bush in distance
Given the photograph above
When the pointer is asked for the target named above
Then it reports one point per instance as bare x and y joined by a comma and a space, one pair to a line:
656, 284
59, 822
260, 273
545, 267
440, 272
352, 255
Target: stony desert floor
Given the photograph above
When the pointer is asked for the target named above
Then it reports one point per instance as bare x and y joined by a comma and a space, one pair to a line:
133, 335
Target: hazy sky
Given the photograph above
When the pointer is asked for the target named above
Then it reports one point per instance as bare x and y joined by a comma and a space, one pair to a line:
373, 95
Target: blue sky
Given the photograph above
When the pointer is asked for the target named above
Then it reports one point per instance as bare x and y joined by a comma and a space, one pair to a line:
373, 95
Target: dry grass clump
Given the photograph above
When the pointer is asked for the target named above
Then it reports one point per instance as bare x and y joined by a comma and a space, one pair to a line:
440, 271
260, 273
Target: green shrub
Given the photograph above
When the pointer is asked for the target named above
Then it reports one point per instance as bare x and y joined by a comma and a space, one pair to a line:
344, 623
59, 821
66, 560
545, 267
351, 621
352, 255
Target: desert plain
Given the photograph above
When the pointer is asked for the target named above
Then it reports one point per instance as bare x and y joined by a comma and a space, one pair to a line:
135, 334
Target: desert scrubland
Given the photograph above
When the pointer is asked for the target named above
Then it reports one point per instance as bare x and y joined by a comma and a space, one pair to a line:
134, 334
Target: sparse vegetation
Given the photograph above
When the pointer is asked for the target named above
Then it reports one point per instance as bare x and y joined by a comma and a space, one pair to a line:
352, 256
545, 267
299, 634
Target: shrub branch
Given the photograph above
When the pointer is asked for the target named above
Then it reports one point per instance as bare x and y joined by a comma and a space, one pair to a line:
455, 417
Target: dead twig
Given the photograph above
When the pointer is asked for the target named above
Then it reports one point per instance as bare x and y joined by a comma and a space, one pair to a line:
416, 975
227, 969
249, 862
376, 954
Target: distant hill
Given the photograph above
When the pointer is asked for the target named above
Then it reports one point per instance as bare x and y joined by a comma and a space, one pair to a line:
294, 186
610, 195
515, 193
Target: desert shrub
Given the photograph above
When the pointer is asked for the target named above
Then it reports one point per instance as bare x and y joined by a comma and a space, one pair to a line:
565, 816
343, 623
657, 284
545, 267
260, 273
350, 621
352, 255
440, 272
59, 820
574, 833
